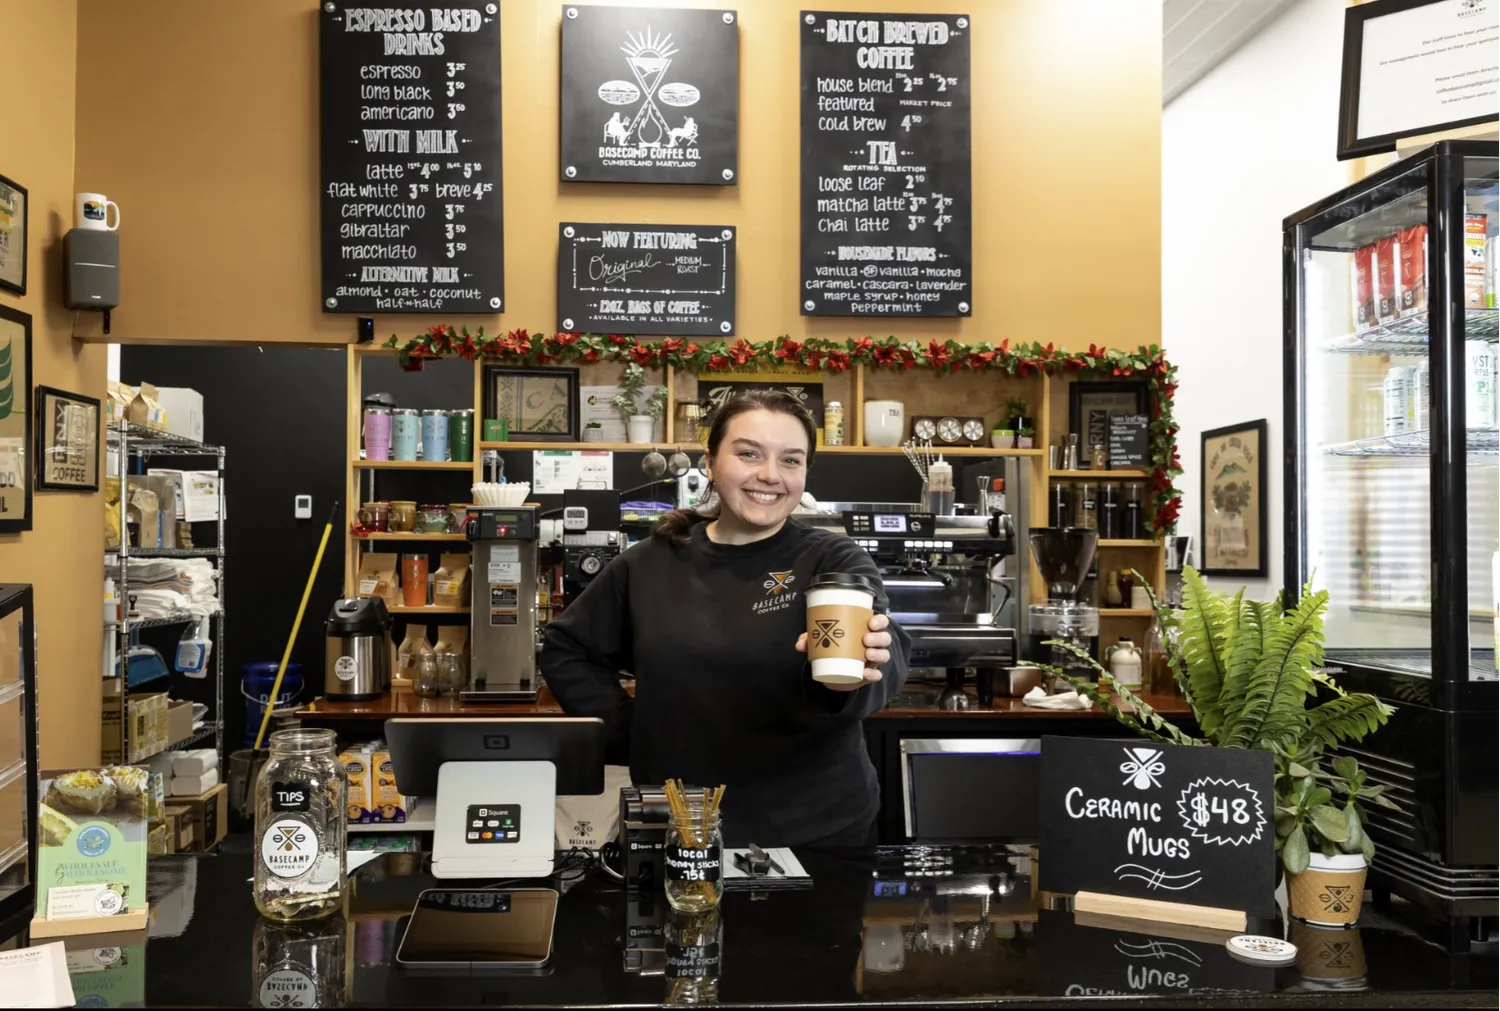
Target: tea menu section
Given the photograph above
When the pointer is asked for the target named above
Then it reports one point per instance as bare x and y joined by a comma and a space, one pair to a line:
1159, 821
410, 124
886, 184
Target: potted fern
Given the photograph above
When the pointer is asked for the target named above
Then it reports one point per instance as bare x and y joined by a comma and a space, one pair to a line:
1247, 668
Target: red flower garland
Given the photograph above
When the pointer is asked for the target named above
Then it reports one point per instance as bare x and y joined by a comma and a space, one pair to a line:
1148, 363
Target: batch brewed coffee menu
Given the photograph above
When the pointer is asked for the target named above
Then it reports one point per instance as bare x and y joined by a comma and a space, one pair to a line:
886, 228
410, 129
675, 280
1159, 821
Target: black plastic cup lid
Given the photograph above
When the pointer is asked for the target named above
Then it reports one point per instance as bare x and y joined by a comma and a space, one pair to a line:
842, 581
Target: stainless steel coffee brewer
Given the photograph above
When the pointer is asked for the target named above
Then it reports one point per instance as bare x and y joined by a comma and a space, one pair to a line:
503, 604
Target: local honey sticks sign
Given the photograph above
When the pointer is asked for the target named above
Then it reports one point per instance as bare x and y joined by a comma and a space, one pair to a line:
1160, 822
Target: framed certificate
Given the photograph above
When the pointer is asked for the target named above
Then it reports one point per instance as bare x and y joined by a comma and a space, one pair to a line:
1413, 67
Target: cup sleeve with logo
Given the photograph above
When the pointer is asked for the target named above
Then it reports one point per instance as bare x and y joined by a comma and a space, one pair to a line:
844, 555
583, 651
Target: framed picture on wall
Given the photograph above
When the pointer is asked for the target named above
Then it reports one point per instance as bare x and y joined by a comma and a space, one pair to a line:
67, 441
15, 420
15, 210
538, 404
1092, 404
1233, 528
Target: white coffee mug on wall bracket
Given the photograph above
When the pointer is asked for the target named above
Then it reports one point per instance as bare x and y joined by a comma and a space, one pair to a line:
91, 210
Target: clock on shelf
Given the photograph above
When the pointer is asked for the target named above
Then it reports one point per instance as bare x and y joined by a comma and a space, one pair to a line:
948, 430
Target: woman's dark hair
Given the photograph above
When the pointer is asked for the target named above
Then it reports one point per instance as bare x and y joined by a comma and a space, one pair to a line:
676, 526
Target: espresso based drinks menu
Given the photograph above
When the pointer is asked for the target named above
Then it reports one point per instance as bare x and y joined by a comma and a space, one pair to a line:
410, 129
885, 165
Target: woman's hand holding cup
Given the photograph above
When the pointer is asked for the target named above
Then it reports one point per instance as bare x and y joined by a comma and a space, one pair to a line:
845, 639
877, 651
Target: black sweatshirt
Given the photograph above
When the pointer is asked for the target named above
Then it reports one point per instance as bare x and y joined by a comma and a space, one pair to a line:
722, 696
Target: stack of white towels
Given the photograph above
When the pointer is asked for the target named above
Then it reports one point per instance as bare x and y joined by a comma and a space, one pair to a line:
163, 587
188, 773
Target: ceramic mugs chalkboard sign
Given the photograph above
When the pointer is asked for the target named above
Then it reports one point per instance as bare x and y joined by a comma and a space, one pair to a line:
650, 95
1159, 821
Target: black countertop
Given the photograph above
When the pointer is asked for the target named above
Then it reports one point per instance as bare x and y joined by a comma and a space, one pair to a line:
874, 928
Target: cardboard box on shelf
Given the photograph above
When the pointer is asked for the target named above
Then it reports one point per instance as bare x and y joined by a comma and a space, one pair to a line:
179, 721
147, 715
208, 814
179, 817
158, 841
111, 741
356, 765
184, 409
146, 410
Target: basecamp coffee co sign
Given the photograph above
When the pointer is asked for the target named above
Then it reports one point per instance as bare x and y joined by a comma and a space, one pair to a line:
1157, 821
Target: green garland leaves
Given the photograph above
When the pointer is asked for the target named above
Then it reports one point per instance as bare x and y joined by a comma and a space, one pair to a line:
520, 347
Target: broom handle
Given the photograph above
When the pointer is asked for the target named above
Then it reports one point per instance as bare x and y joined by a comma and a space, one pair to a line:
286, 656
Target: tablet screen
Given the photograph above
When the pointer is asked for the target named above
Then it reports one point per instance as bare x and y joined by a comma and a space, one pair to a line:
480, 926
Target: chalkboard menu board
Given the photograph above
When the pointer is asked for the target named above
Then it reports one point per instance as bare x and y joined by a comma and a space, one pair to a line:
1079, 960
885, 165
1129, 440
1159, 821
410, 128
646, 279
650, 95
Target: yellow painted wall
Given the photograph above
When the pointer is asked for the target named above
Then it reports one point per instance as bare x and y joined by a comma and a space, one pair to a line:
201, 120
63, 553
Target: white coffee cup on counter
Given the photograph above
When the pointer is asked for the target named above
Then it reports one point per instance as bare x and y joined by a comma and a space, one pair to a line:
91, 211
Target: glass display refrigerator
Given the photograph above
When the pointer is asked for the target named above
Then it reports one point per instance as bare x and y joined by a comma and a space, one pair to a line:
1393, 497
18, 762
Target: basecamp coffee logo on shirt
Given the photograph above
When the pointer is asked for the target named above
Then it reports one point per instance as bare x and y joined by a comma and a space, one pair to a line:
779, 593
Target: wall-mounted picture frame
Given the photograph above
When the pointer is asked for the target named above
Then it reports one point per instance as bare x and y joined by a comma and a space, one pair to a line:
538, 404
15, 215
67, 441
1092, 404
1232, 531
15, 421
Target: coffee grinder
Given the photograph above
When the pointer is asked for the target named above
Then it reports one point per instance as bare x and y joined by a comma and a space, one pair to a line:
503, 605
1063, 555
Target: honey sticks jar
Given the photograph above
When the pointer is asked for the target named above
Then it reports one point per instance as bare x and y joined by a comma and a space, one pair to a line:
693, 857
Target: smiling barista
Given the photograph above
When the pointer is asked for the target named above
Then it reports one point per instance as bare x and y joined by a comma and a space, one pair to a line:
708, 614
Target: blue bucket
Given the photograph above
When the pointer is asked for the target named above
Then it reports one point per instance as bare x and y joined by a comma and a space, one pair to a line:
256, 686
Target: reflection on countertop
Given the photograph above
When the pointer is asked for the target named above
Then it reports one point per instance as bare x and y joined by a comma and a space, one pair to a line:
894, 925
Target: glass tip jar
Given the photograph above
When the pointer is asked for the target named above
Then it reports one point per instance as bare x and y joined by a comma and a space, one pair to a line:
693, 857
300, 816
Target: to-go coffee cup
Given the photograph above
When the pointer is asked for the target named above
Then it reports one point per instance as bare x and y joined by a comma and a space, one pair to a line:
839, 608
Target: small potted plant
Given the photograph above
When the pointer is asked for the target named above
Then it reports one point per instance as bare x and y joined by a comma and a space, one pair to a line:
593, 432
639, 424
1002, 438
656, 409
1024, 436
1017, 416
1320, 831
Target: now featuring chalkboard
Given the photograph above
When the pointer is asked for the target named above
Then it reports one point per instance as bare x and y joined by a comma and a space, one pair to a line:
410, 130
650, 95
674, 280
1157, 821
1129, 440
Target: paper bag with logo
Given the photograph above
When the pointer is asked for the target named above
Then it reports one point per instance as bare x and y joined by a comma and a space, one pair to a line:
590, 822
377, 577
146, 411
450, 585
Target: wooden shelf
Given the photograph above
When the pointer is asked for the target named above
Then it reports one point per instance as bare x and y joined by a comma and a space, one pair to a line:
410, 537
611, 447
936, 450
1129, 544
432, 609
1099, 475
1126, 612
412, 465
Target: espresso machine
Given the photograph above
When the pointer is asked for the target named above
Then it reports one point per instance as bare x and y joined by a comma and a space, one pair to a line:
503, 604
1063, 556
591, 537
948, 587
